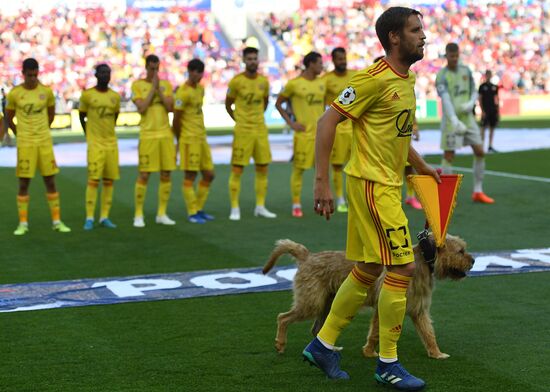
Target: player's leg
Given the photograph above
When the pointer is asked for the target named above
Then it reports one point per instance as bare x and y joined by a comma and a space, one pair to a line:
48, 169
353, 292
447, 161
95, 162
207, 172
167, 151
190, 196
111, 172
27, 158
235, 191
492, 125
148, 163
304, 154
339, 156
398, 256
23, 206
479, 172
262, 158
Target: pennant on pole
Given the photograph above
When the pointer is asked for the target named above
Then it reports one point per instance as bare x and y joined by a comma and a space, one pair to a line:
438, 201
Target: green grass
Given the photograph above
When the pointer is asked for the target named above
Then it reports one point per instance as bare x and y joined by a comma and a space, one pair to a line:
494, 328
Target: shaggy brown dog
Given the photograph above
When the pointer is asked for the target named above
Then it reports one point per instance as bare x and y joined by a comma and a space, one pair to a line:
320, 275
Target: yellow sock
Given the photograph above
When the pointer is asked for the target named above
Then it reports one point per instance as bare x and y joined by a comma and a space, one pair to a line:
53, 202
235, 186
202, 194
165, 188
190, 197
350, 297
261, 185
392, 304
91, 198
106, 199
296, 185
338, 182
22, 208
139, 197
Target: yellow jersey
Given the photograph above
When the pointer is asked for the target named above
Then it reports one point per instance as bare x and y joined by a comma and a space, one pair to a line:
382, 105
154, 122
189, 101
335, 85
101, 108
307, 98
31, 111
249, 95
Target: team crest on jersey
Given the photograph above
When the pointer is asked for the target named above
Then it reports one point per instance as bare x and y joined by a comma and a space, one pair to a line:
347, 96
42, 96
178, 102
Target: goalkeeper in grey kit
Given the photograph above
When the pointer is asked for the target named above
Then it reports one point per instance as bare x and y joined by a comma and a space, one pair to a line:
456, 88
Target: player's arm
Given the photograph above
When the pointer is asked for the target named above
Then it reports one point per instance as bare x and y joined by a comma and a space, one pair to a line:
467, 107
82, 118
143, 104
51, 114
447, 104
415, 131
266, 102
286, 116
229, 101
176, 123
326, 130
10, 115
420, 165
167, 100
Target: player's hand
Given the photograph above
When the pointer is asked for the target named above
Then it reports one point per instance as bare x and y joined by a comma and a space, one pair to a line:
466, 107
156, 81
415, 132
297, 127
458, 126
323, 202
429, 171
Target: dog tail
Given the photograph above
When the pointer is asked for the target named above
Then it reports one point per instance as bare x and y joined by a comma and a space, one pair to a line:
282, 247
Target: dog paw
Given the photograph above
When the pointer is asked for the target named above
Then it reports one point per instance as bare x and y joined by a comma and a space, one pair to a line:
439, 355
280, 347
369, 352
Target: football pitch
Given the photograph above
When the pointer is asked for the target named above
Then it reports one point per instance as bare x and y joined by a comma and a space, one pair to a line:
494, 327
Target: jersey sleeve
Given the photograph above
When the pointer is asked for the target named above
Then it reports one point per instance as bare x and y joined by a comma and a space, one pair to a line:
83, 106
441, 84
136, 93
288, 91
179, 99
232, 88
166, 88
51, 98
10, 104
358, 97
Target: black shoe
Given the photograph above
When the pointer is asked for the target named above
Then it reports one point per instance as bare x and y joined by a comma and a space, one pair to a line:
491, 149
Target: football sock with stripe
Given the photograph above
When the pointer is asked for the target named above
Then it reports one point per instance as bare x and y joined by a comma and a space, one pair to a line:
202, 194
235, 186
296, 184
350, 297
106, 199
55, 209
140, 191
260, 185
91, 198
165, 188
189, 196
22, 208
392, 304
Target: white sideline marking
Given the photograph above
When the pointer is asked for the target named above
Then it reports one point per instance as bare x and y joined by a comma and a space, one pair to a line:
507, 175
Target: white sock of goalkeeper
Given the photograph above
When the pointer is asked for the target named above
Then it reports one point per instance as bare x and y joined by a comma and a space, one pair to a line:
479, 171
446, 166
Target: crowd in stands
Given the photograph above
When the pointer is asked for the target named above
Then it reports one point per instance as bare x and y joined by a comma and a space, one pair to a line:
512, 40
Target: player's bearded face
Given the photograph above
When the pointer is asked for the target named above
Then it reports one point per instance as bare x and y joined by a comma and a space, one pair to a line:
30, 77
251, 63
413, 40
340, 62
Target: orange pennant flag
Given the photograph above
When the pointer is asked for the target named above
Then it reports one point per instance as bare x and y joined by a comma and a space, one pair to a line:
438, 201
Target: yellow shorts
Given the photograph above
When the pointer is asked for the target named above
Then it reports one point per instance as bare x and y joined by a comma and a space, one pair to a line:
248, 146
31, 157
304, 152
341, 149
157, 154
196, 156
377, 226
103, 163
